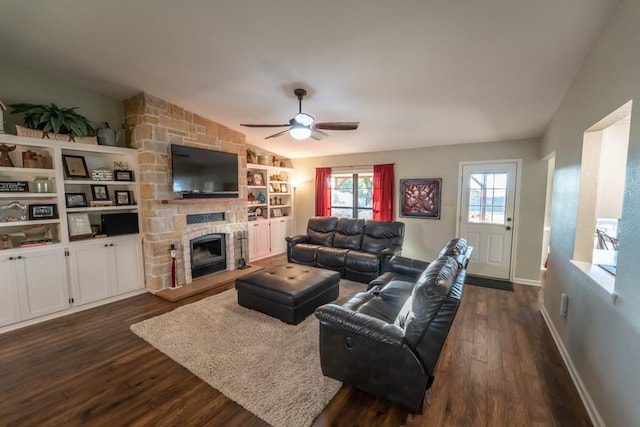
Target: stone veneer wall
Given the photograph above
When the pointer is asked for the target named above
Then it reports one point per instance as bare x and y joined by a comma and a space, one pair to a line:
156, 124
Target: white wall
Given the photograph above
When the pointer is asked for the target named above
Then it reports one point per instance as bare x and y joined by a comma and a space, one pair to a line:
601, 339
23, 84
425, 237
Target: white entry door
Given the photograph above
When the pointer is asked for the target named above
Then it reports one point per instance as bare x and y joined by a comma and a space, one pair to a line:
486, 216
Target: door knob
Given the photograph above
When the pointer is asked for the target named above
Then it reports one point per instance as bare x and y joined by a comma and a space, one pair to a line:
508, 227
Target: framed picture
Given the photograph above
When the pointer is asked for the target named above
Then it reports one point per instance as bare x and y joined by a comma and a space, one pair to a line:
122, 175
277, 212
76, 200
420, 198
79, 225
123, 197
272, 188
75, 166
258, 179
284, 188
99, 192
43, 211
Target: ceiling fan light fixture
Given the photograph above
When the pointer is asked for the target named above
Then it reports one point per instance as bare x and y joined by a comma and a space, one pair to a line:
303, 119
300, 132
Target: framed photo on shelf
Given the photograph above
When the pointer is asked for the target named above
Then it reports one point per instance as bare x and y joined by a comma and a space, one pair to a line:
75, 166
75, 200
420, 198
48, 211
122, 175
123, 197
79, 225
258, 179
276, 212
284, 188
272, 188
99, 192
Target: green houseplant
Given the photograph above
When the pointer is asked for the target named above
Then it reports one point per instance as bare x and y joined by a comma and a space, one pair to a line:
51, 118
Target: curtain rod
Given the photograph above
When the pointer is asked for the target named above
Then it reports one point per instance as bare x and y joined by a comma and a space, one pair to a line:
354, 166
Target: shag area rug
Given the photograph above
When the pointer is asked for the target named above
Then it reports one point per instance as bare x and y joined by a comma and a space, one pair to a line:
267, 366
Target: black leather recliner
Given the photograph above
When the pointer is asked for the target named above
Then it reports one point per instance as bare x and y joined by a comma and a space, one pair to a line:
355, 248
387, 340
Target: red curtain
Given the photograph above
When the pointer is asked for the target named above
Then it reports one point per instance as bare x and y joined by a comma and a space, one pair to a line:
323, 191
383, 192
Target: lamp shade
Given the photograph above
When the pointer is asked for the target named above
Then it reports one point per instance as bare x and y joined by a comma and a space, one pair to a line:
300, 132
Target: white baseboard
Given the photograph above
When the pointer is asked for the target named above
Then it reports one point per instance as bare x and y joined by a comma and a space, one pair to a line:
527, 282
596, 419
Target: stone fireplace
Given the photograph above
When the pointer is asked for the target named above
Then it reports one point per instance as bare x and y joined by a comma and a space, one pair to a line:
156, 124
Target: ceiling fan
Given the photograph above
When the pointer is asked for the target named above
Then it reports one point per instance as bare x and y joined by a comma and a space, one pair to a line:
303, 126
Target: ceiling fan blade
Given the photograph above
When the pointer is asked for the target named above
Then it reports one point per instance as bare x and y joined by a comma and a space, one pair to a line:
337, 125
318, 135
278, 134
251, 125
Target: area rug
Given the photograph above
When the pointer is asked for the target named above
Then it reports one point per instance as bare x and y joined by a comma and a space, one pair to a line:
268, 367
486, 282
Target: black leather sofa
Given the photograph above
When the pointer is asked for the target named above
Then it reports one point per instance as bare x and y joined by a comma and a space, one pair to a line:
387, 340
355, 248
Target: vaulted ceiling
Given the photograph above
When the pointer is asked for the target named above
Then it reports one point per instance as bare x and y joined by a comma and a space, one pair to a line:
414, 72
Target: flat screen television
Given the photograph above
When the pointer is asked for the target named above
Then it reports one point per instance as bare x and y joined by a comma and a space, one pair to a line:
200, 173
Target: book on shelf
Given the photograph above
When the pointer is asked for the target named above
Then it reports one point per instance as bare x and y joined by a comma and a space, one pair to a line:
35, 242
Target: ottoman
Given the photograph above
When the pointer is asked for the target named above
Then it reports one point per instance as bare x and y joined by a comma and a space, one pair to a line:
289, 292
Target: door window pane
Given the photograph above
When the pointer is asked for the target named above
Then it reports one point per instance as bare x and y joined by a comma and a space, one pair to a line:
487, 197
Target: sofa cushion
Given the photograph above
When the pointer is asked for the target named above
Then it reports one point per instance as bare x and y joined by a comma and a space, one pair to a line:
429, 293
454, 248
304, 253
320, 230
331, 257
362, 261
349, 233
381, 235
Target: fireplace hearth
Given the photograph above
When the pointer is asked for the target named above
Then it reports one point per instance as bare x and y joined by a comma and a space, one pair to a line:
208, 254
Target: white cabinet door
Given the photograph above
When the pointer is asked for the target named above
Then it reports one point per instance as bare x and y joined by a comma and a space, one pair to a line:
42, 280
279, 231
127, 256
9, 296
91, 273
258, 239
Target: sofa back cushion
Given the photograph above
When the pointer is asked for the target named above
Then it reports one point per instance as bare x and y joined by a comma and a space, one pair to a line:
430, 292
456, 248
321, 229
349, 233
380, 235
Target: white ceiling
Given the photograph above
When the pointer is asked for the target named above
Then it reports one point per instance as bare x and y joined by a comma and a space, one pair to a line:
414, 72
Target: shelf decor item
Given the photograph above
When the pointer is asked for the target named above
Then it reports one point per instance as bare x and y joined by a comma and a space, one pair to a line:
284, 188
123, 175
79, 226
13, 211
5, 160
277, 212
32, 159
99, 192
75, 166
75, 200
258, 179
14, 186
102, 174
420, 198
48, 211
53, 122
123, 197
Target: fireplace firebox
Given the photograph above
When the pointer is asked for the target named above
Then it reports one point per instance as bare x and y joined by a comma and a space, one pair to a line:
208, 255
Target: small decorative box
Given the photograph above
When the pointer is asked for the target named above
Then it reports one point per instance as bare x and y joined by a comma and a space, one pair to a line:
102, 174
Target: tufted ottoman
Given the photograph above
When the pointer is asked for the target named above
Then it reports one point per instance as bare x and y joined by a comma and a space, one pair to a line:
289, 292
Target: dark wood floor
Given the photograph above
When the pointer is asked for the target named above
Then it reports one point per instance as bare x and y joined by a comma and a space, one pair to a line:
499, 367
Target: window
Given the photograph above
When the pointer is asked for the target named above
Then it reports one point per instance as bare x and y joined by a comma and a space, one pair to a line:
602, 185
487, 197
352, 194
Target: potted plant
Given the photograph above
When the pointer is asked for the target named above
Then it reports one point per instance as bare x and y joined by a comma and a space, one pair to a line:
51, 118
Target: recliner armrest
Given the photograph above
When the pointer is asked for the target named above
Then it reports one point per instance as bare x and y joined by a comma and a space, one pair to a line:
294, 240
361, 324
